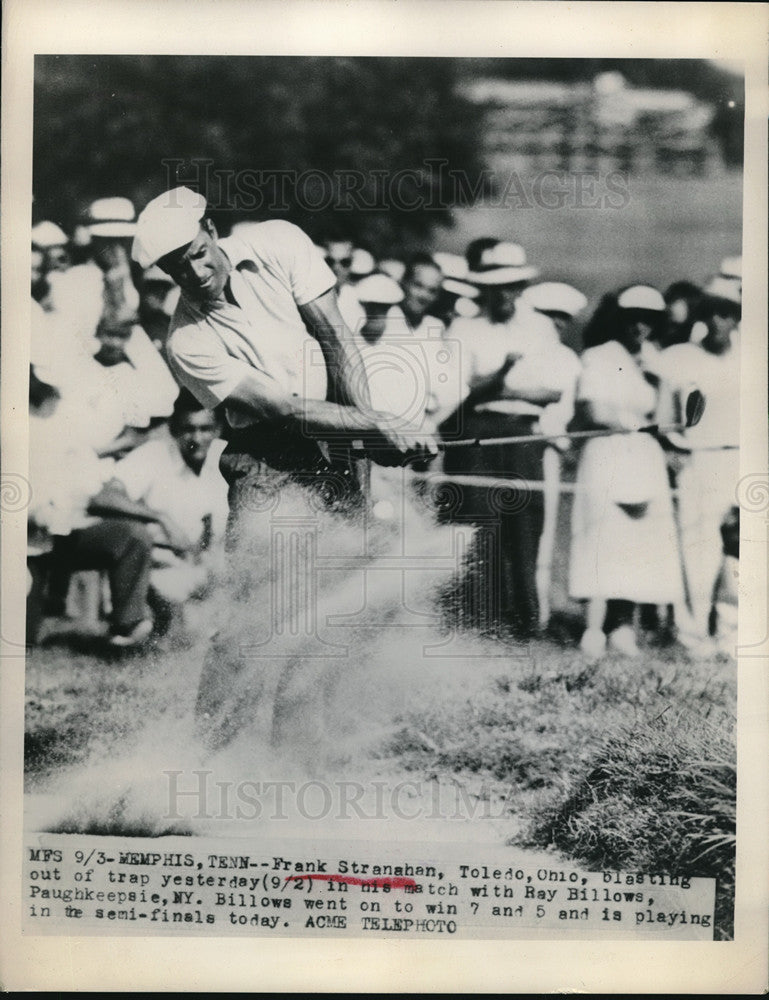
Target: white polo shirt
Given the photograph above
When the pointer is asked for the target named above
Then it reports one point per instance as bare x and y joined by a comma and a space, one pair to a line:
482, 346
213, 346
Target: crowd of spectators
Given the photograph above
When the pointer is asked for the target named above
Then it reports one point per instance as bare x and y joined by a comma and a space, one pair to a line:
124, 460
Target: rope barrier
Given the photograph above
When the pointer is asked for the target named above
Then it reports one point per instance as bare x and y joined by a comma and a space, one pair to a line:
493, 482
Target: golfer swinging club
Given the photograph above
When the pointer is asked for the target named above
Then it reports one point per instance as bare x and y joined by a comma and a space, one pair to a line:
250, 309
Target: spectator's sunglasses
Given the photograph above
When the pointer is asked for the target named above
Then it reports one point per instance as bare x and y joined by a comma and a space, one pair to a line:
341, 261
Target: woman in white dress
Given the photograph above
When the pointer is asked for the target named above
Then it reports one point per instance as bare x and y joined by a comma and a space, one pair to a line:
624, 548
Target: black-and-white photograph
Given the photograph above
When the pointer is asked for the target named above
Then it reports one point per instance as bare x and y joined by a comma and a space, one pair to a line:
384, 497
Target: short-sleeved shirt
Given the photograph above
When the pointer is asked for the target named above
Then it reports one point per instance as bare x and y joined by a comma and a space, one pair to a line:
103, 400
213, 346
482, 346
717, 376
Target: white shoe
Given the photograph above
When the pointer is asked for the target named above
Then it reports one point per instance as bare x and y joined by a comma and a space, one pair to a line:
138, 634
622, 640
593, 643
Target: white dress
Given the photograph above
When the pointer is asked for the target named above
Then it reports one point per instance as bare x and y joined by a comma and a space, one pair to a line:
623, 543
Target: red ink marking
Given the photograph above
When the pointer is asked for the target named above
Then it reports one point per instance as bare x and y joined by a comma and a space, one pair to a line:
394, 883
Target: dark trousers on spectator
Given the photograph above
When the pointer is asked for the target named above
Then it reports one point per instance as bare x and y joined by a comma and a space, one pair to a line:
120, 546
501, 576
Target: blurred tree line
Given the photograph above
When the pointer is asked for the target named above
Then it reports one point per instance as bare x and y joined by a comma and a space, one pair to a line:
355, 131
136, 125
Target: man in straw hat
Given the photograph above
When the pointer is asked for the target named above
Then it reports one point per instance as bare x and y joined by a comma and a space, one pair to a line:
508, 390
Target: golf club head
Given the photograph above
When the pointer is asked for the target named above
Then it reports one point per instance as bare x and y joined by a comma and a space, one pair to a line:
694, 408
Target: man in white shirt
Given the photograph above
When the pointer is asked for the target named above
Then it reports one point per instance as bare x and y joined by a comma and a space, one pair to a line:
177, 479
257, 328
504, 360
421, 284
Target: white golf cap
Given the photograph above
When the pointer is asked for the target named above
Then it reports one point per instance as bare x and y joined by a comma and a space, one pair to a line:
362, 263
642, 297
731, 267
48, 234
452, 264
724, 288
393, 268
503, 264
460, 288
555, 296
380, 289
111, 217
454, 268
170, 221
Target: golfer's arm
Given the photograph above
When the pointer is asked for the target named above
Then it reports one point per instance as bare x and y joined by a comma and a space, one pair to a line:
261, 400
348, 384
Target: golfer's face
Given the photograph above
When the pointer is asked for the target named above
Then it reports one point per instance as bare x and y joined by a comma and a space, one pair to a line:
200, 269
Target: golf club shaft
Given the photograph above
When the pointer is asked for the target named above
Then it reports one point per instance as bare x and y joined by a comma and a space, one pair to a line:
571, 435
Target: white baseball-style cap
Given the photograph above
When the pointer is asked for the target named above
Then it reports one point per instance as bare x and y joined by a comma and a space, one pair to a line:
111, 217
362, 263
503, 264
454, 268
47, 234
731, 267
642, 297
452, 264
393, 267
728, 289
555, 296
380, 289
170, 221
